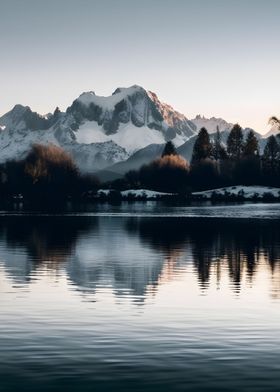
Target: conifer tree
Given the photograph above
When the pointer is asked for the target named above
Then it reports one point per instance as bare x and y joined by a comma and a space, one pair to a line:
235, 143
219, 151
169, 149
251, 146
271, 162
271, 153
202, 147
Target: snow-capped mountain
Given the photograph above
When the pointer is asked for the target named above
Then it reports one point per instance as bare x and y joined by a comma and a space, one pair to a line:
274, 130
131, 117
211, 124
153, 151
99, 132
21, 128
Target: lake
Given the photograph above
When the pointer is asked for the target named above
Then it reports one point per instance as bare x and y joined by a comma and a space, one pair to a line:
141, 296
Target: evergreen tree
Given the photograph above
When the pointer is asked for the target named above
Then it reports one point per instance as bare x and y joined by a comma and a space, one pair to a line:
219, 151
235, 142
202, 148
251, 146
169, 149
271, 153
271, 162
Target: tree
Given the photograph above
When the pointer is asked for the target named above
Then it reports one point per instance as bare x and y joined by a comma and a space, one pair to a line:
235, 142
219, 151
251, 146
202, 148
271, 156
271, 161
275, 122
247, 168
204, 174
271, 150
51, 171
169, 149
167, 174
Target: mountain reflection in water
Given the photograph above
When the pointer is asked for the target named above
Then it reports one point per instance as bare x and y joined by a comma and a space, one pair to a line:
133, 256
122, 303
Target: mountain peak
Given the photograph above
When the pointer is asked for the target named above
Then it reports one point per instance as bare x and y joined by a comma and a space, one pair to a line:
108, 103
15, 115
211, 124
20, 109
129, 90
100, 130
86, 97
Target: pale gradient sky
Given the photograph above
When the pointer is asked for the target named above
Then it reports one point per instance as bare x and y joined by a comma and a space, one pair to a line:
214, 57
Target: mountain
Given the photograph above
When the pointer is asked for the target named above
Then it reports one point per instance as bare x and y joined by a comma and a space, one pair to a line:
109, 135
274, 130
97, 131
211, 124
21, 128
131, 117
153, 151
134, 162
186, 149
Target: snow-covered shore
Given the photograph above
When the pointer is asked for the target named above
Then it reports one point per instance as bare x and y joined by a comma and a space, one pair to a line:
245, 192
137, 194
238, 192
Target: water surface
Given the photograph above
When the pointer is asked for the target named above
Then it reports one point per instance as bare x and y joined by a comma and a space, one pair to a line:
141, 297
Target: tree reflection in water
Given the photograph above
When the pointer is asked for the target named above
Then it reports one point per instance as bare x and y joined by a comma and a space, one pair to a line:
136, 255
238, 245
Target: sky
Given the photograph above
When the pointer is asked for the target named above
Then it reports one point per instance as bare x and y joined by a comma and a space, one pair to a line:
211, 57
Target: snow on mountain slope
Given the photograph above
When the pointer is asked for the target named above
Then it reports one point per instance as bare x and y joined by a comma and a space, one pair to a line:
274, 130
128, 136
100, 132
211, 124
134, 162
16, 144
132, 117
175, 120
96, 156
108, 103
21, 128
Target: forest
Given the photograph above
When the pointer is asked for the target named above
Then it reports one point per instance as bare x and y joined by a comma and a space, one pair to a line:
213, 165
48, 172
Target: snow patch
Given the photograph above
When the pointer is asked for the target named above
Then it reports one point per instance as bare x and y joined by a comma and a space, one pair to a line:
145, 193
247, 192
130, 137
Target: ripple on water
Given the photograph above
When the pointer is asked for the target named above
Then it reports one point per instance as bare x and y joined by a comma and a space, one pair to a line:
156, 303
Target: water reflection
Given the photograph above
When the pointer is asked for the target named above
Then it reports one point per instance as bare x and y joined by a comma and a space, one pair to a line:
122, 303
134, 256
240, 246
29, 243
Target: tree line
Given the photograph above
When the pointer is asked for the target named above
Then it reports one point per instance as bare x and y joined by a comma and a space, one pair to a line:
213, 164
47, 173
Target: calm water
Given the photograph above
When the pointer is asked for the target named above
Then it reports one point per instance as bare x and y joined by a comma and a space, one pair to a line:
141, 297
